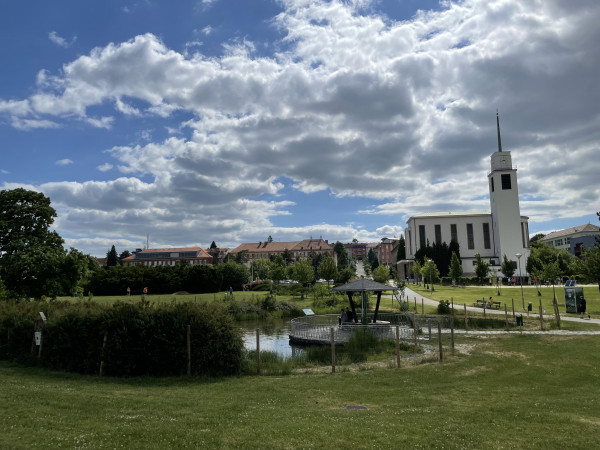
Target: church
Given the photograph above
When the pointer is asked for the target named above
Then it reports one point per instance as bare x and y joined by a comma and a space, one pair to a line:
492, 234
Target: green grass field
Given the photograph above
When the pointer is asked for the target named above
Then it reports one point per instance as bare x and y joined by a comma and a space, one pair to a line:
498, 392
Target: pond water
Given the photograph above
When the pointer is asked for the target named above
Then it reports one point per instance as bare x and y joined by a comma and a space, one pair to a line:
274, 336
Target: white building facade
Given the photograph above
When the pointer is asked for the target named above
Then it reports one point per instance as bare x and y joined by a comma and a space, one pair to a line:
491, 234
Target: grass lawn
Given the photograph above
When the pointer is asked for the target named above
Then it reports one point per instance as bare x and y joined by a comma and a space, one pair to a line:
470, 294
507, 392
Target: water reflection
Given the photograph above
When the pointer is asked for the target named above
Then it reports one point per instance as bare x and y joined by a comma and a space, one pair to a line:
274, 336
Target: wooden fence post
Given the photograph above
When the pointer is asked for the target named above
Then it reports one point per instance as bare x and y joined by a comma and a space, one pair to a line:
189, 350
513, 307
506, 316
429, 328
415, 328
398, 345
556, 313
440, 340
422, 307
332, 350
466, 318
452, 332
541, 317
415, 305
257, 351
452, 299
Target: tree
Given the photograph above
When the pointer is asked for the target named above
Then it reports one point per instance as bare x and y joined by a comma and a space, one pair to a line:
241, 257
482, 268
327, 269
589, 265
278, 269
269, 239
213, 245
124, 254
342, 255
535, 240
381, 274
112, 259
261, 268
373, 260
508, 267
30, 254
233, 275
344, 275
401, 254
415, 269
302, 271
551, 271
456, 269
430, 272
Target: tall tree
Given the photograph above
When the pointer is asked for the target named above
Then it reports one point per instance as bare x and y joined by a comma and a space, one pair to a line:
342, 255
456, 269
261, 268
124, 254
112, 258
270, 239
327, 269
508, 267
589, 265
30, 254
302, 272
482, 268
381, 274
373, 260
401, 255
213, 245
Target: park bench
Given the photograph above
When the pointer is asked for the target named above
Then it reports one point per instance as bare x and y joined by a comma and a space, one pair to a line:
485, 303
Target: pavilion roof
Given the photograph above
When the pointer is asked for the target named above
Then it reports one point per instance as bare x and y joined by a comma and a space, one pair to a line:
362, 285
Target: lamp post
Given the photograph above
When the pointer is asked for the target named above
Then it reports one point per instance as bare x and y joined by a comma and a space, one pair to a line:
518, 255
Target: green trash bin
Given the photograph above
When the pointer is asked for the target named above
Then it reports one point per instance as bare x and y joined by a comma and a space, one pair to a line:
519, 321
529, 306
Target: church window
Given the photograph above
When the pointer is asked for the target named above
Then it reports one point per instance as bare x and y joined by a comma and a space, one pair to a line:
438, 234
453, 232
506, 183
486, 235
422, 236
470, 239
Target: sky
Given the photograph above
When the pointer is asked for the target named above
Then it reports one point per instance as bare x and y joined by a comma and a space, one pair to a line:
188, 122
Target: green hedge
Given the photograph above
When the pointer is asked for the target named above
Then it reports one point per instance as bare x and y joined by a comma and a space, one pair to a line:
142, 338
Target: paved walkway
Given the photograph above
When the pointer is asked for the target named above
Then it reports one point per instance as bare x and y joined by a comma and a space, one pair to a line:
412, 295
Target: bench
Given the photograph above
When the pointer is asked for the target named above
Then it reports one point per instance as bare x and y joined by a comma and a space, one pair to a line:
486, 304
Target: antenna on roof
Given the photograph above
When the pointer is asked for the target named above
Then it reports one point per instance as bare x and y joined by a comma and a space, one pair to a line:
498, 126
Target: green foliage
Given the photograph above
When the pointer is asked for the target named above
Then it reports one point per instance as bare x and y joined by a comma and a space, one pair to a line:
372, 259
327, 269
508, 267
302, 272
112, 258
443, 307
456, 269
381, 274
482, 268
262, 268
233, 275
142, 338
430, 272
278, 270
342, 255
401, 254
589, 265
344, 275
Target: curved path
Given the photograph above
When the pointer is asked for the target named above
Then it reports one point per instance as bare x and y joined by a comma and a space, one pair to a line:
411, 295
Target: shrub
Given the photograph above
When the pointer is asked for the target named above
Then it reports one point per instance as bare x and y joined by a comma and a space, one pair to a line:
443, 307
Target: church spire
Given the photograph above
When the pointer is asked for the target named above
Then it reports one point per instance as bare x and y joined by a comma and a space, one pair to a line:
498, 126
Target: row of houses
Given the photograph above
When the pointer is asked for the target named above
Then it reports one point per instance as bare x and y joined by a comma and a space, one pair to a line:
293, 250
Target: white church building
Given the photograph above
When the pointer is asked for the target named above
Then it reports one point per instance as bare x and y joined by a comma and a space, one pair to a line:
492, 234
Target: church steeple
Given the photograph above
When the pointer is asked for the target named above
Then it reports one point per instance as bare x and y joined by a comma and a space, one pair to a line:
498, 126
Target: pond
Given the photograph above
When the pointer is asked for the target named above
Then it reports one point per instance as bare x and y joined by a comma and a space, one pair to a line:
274, 336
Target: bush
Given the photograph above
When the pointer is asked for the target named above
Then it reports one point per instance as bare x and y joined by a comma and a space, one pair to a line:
142, 339
443, 307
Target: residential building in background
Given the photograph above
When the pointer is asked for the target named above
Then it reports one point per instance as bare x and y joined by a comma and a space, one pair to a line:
168, 256
296, 249
573, 239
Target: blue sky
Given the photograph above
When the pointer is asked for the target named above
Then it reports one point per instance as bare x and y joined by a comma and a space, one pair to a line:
234, 120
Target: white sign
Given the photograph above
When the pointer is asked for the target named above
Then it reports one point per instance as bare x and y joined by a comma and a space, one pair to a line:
308, 312
38, 338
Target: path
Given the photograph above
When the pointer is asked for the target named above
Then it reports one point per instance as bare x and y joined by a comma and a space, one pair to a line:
411, 295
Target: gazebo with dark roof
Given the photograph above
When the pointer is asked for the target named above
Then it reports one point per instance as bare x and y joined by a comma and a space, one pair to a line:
363, 285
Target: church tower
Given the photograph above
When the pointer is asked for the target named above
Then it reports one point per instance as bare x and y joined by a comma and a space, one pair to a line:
510, 230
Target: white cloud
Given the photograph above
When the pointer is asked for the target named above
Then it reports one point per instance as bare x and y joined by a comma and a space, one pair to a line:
64, 162
60, 41
399, 112
105, 167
